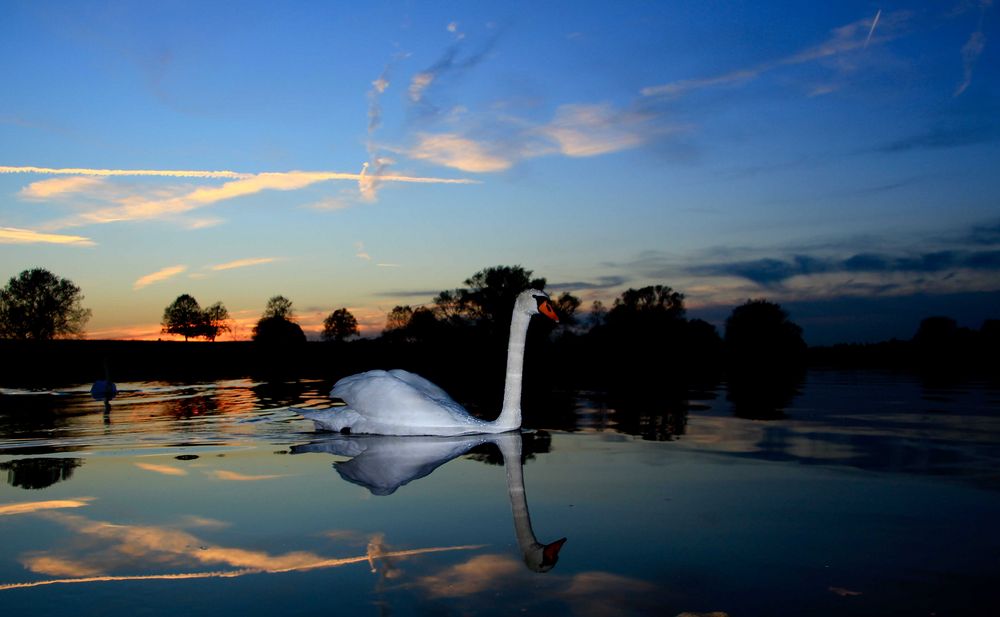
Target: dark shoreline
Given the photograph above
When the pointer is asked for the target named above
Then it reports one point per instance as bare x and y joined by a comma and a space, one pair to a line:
74, 361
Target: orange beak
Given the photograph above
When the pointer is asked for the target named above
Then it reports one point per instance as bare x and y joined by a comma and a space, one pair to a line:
545, 308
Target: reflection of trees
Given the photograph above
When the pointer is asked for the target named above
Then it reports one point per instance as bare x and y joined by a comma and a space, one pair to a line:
654, 415
38, 473
762, 395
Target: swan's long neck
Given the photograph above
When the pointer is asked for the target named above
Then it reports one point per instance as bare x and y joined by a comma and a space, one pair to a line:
510, 415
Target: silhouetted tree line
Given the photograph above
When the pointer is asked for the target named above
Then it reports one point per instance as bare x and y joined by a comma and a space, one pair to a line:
644, 340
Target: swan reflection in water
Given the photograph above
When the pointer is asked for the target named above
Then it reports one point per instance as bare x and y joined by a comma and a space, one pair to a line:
383, 463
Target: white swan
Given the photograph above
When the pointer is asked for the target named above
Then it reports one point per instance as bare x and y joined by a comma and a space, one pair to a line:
398, 402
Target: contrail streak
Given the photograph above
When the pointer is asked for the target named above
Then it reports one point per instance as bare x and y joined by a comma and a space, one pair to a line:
73, 171
171, 173
872, 30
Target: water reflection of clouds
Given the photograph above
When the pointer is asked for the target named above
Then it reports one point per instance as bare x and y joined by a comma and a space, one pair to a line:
591, 593
99, 549
29, 507
166, 470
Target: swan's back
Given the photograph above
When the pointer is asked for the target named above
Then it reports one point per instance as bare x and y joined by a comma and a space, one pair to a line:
398, 402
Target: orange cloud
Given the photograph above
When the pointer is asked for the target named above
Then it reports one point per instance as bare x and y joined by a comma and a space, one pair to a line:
143, 208
243, 263
159, 275
12, 235
54, 187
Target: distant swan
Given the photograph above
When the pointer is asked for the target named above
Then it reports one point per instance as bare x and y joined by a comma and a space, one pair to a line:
398, 402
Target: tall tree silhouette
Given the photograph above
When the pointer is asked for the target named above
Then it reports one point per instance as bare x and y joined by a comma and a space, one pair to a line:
488, 298
766, 354
216, 321
642, 337
340, 325
761, 330
37, 304
277, 327
184, 316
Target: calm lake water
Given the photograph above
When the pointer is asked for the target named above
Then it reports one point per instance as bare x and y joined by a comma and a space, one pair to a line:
872, 494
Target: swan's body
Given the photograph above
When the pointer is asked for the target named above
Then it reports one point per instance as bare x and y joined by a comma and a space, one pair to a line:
398, 402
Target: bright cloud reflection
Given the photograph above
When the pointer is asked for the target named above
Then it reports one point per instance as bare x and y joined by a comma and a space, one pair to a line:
101, 547
27, 507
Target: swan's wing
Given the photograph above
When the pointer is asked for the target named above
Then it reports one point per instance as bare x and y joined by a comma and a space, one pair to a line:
400, 403
427, 387
332, 418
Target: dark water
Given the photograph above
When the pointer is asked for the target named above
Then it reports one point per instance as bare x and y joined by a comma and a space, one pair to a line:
867, 494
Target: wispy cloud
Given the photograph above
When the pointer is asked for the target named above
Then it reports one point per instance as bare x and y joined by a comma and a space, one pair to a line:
460, 152
242, 263
850, 37
451, 63
158, 276
973, 48
603, 282
575, 130
592, 130
13, 235
140, 207
55, 187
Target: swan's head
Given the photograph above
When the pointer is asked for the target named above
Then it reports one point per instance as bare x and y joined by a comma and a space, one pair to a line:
534, 302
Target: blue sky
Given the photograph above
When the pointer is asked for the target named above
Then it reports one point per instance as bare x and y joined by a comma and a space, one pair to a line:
842, 155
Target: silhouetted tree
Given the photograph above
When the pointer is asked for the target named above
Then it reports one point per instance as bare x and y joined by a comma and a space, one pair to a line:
37, 304
277, 331
340, 325
398, 318
184, 316
989, 335
423, 325
642, 338
702, 344
566, 306
941, 343
766, 354
652, 302
216, 321
759, 330
598, 314
488, 299
276, 326
279, 307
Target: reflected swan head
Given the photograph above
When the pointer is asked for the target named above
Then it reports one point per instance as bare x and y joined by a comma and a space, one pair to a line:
544, 557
